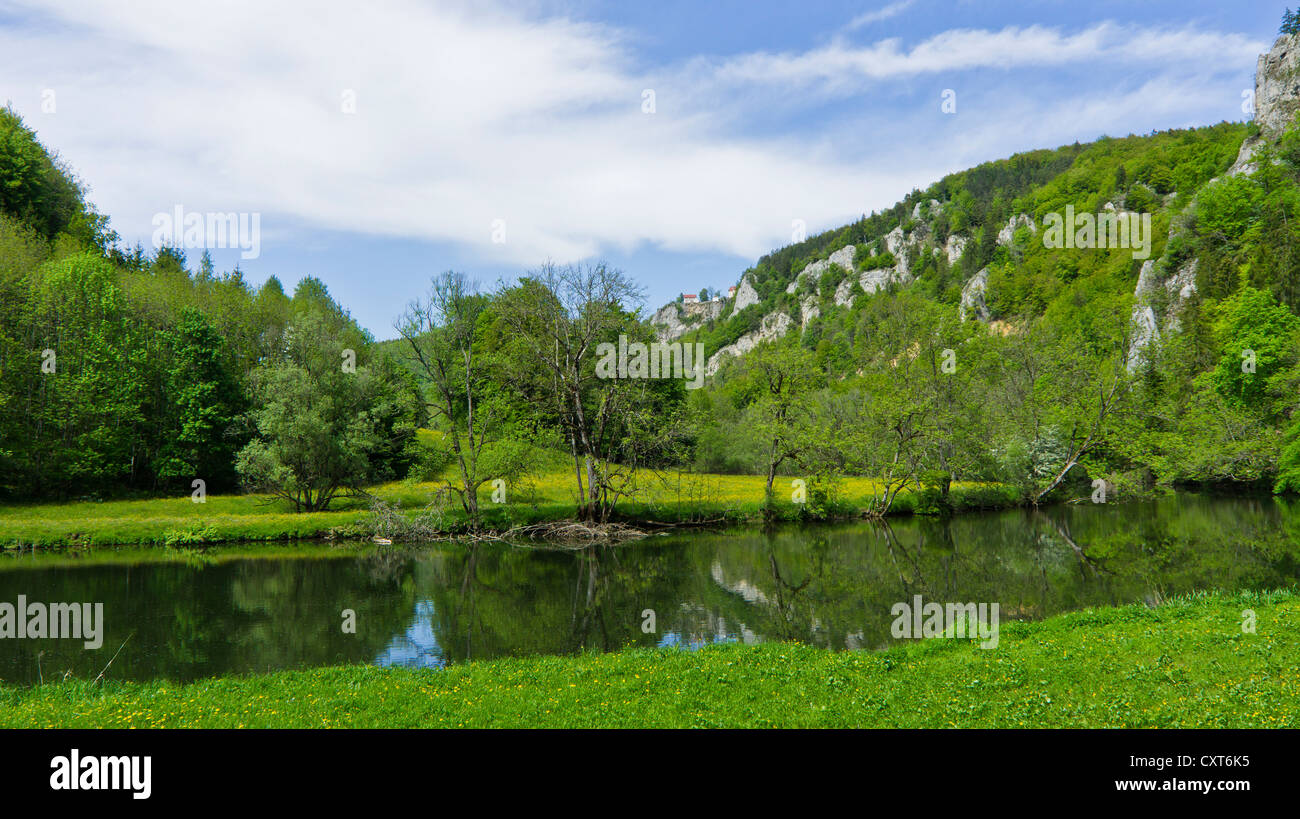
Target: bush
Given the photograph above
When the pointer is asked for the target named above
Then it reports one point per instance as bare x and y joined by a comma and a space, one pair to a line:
864, 261
933, 497
1228, 207
430, 454
180, 538
1288, 463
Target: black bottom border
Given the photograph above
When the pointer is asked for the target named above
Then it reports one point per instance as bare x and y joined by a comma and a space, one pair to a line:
263, 768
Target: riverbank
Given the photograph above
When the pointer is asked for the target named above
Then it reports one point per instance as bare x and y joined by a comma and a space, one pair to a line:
1186, 663
180, 522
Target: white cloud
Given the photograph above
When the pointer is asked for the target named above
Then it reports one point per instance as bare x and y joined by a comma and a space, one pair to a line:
466, 115
463, 117
840, 63
879, 15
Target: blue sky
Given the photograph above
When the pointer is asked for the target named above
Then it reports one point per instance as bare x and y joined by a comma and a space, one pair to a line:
383, 143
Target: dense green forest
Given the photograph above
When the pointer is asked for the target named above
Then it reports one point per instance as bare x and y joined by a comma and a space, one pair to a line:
125, 372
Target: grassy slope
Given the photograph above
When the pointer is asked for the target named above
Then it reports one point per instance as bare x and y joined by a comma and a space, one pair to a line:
1184, 664
254, 517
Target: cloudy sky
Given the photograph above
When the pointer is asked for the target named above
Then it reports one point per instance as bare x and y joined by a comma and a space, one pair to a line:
383, 142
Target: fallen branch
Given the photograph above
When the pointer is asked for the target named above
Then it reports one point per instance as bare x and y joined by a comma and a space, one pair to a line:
110, 662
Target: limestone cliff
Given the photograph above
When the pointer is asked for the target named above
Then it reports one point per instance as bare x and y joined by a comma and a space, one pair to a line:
1277, 98
1163, 285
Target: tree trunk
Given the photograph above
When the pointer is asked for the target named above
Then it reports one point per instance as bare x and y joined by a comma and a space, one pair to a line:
1060, 476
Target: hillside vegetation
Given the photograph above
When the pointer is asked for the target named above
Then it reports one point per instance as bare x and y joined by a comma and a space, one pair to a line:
1165, 362
941, 341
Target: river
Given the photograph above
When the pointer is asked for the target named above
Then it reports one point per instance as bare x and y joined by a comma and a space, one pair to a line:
253, 610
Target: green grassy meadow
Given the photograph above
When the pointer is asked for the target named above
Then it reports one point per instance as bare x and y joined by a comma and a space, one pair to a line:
668, 498
1186, 663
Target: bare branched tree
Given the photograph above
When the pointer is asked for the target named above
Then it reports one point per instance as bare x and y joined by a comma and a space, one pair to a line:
559, 315
440, 334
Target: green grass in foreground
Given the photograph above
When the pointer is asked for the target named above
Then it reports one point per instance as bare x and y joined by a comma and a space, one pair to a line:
1183, 664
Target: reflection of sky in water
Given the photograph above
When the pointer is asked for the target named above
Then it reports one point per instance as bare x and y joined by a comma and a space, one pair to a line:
709, 628
673, 639
418, 646
830, 586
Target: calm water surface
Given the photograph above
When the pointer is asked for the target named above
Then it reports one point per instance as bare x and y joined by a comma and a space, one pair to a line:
831, 586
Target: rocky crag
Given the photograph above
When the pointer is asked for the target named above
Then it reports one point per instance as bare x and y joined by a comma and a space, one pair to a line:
1161, 290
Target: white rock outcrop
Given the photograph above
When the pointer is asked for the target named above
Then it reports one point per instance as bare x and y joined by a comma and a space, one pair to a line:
1277, 98
1246, 158
1146, 324
675, 319
1008, 232
668, 322
745, 295
895, 240
897, 243
774, 326
808, 310
842, 257
873, 280
844, 293
1145, 327
955, 246
1182, 284
972, 297
1277, 86
932, 208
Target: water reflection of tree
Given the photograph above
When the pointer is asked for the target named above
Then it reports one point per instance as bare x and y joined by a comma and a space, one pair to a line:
1089, 567
588, 616
296, 608
786, 597
1024, 562
832, 586
187, 622
491, 600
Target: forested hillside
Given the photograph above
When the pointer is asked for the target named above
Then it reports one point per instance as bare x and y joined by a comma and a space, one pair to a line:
958, 233
993, 355
123, 372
